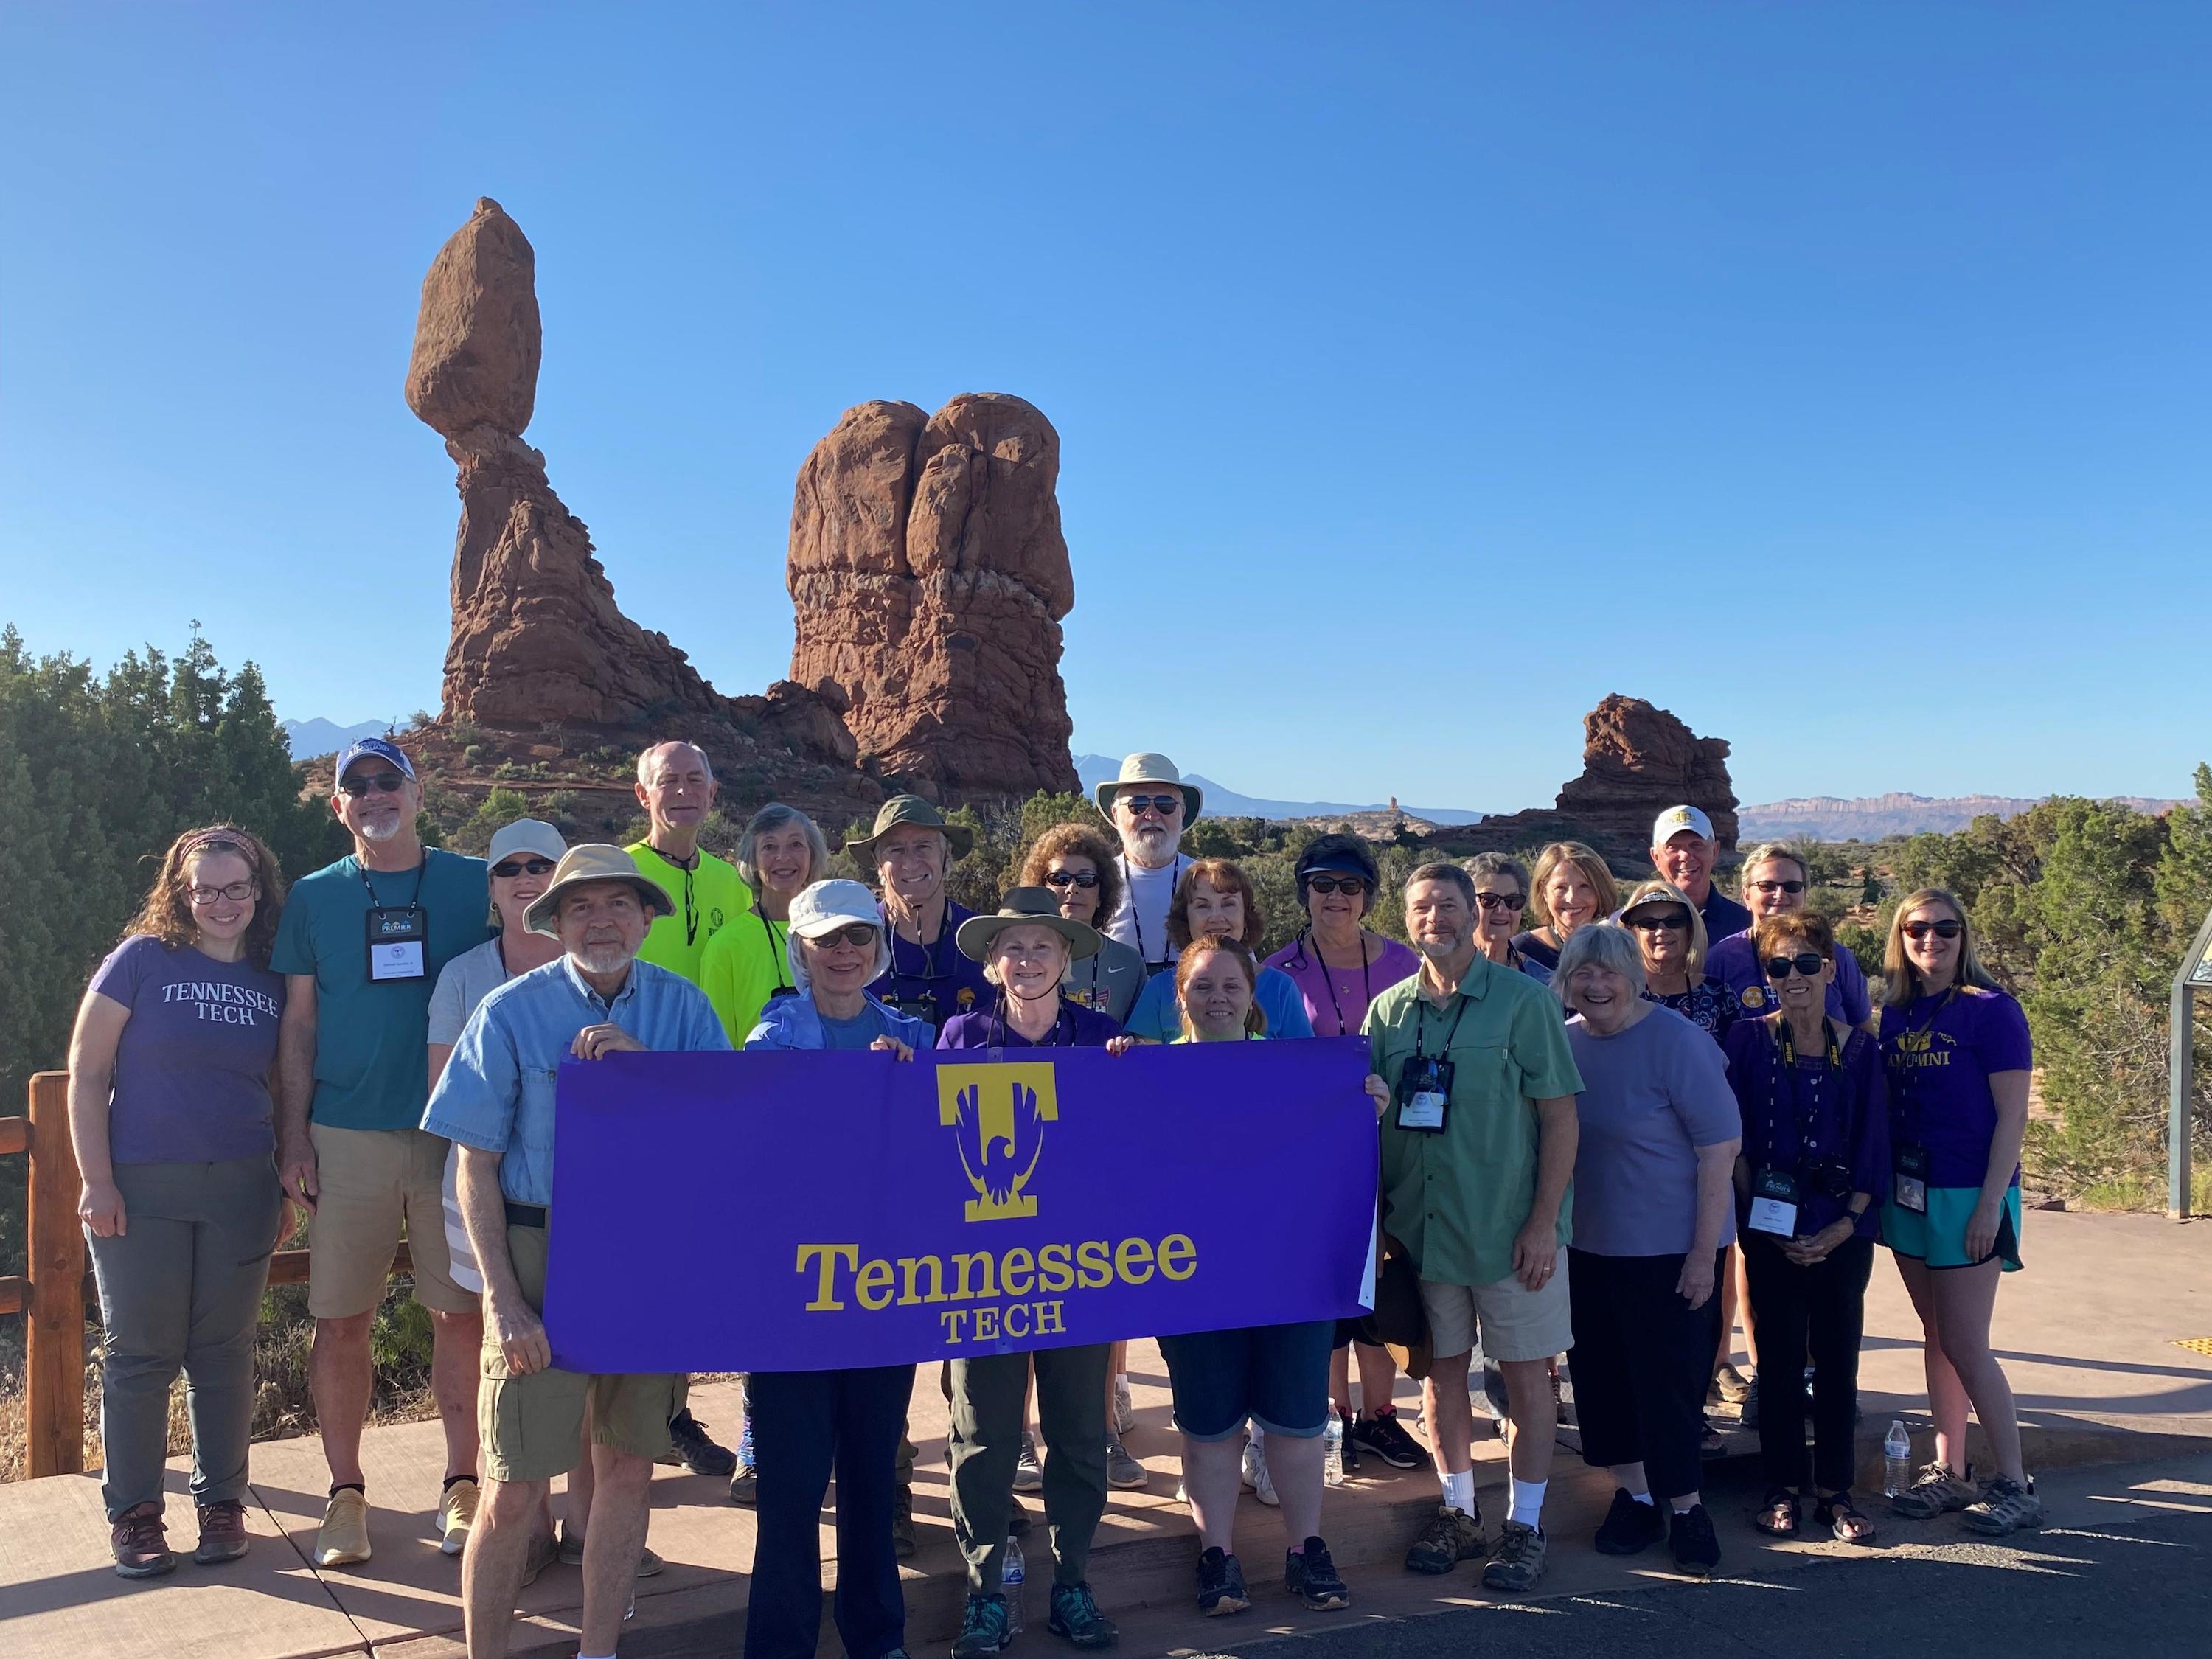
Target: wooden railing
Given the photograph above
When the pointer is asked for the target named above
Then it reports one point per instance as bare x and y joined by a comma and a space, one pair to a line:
53, 1295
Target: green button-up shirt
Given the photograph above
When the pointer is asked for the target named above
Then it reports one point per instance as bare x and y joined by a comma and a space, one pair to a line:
1456, 1200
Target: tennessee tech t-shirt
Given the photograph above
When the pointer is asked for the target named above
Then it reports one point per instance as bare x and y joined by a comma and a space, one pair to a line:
1941, 1051
191, 1072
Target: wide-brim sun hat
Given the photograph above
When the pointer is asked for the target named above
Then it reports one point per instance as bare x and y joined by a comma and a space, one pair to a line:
1025, 907
909, 810
823, 907
1146, 768
595, 861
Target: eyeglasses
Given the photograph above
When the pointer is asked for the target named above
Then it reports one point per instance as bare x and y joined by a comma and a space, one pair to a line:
383, 783
1940, 929
1770, 887
857, 934
1512, 902
508, 870
1674, 920
236, 893
1806, 963
1350, 886
1166, 805
1071, 877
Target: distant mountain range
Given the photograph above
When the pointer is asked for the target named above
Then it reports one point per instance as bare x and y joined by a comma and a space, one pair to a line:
309, 739
1871, 817
1223, 802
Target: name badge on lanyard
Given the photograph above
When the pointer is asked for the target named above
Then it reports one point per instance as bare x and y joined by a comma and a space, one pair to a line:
1423, 1093
399, 936
1912, 1179
1774, 1203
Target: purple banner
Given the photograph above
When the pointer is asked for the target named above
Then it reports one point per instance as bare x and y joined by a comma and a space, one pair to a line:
800, 1211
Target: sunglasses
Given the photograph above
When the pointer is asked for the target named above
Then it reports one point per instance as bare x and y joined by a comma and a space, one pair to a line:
1806, 963
1166, 805
856, 933
1350, 886
383, 783
1770, 887
510, 868
1512, 902
1071, 878
1674, 920
1940, 929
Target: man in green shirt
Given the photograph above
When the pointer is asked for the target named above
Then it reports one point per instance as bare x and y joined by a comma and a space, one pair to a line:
1477, 1091
676, 786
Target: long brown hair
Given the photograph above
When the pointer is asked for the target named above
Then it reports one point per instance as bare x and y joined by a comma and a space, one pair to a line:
166, 914
1255, 1019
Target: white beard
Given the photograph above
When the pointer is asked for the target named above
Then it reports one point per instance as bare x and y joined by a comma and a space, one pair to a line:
378, 830
605, 958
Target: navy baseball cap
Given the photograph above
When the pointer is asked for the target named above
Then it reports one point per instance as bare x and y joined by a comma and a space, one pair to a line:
362, 748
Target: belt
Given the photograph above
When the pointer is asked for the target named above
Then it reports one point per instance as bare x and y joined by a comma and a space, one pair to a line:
526, 1215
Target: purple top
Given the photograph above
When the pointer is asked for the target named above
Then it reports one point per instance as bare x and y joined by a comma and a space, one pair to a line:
191, 1071
1706, 1005
1652, 1096
1736, 960
1940, 1053
1079, 1028
1795, 1115
1336, 998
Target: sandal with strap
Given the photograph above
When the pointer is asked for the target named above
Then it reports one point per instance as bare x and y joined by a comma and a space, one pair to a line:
1843, 1518
1777, 1513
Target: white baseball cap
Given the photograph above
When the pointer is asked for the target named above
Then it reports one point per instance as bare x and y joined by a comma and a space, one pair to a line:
825, 908
527, 836
1676, 819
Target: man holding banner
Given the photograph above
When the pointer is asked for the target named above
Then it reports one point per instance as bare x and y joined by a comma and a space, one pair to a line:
496, 1101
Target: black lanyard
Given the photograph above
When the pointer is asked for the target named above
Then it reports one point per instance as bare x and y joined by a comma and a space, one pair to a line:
1804, 1092
932, 955
1062, 1035
1421, 1025
376, 904
1136, 920
1367, 979
1901, 1063
776, 955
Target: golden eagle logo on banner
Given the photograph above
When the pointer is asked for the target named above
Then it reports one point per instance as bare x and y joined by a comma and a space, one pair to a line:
998, 1112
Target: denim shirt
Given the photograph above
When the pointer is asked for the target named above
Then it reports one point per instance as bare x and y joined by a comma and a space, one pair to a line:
497, 1091
794, 1022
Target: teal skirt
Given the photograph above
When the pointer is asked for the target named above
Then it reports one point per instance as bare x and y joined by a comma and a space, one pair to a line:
1939, 1237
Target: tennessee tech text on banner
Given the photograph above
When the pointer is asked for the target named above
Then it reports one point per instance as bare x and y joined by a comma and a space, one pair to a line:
795, 1212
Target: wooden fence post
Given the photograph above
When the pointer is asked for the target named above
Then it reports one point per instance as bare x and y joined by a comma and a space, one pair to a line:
54, 1365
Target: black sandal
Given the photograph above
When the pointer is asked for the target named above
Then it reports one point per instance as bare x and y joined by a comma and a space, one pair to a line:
1778, 1501
1836, 1512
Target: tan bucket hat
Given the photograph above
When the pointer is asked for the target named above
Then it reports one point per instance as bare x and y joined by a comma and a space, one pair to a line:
595, 861
910, 809
1149, 769
1023, 907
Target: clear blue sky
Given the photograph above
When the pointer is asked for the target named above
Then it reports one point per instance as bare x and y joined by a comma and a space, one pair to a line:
1833, 375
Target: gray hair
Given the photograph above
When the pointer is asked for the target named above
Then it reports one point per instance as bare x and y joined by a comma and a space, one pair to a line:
1601, 944
771, 818
1773, 849
645, 758
1501, 864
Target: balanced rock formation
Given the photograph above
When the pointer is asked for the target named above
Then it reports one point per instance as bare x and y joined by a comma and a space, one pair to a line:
1637, 761
929, 575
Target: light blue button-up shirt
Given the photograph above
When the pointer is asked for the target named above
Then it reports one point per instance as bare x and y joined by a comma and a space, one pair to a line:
496, 1094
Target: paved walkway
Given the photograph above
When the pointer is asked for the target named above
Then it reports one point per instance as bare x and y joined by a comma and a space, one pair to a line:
2088, 1333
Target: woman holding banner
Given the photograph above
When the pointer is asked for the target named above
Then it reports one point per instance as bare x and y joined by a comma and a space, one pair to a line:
1026, 949
807, 1422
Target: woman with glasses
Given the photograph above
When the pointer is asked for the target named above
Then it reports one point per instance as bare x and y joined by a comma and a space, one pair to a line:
1501, 894
171, 1117
781, 852
1078, 865
1959, 1058
1572, 888
1215, 900
1671, 935
1816, 1154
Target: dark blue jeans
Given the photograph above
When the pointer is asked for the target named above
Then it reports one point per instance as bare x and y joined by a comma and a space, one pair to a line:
804, 1424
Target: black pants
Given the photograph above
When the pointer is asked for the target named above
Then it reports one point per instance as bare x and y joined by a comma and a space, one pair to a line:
1642, 1359
804, 1424
1823, 1306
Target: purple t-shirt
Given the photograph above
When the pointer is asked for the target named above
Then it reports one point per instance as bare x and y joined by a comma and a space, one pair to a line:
1652, 1095
1941, 1052
191, 1071
1336, 998
1734, 960
1079, 1028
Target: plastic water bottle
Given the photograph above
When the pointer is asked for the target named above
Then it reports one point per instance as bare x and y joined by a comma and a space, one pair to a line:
1333, 1453
1896, 1459
1013, 1576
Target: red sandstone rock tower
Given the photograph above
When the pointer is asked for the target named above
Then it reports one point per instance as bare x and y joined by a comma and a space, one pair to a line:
1637, 761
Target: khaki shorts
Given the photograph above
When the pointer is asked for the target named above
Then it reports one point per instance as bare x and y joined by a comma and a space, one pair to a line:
530, 1427
378, 1185
1516, 1322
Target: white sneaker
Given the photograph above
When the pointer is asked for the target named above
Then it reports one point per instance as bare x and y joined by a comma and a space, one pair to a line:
1029, 1473
1124, 1408
1257, 1478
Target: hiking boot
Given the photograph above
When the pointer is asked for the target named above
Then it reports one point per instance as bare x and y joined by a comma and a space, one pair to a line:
456, 1513
1730, 1386
1075, 1616
1256, 1476
139, 1538
1629, 1526
1121, 1469
1124, 1408
2004, 1507
902, 1524
571, 1554
745, 1485
1384, 1436
1029, 1473
1221, 1585
1697, 1546
694, 1450
342, 1539
985, 1627
1934, 1491
222, 1531
1450, 1537
1311, 1575
1517, 1563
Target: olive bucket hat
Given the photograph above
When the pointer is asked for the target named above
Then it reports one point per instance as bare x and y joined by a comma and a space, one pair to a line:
901, 810
1149, 769
594, 861
1025, 907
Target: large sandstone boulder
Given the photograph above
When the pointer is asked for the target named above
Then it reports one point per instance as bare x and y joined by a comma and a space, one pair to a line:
477, 339
1637, 761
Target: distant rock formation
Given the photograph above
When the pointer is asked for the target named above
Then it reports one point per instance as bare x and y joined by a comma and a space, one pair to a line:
928, 574
1637, 762
1872, 817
